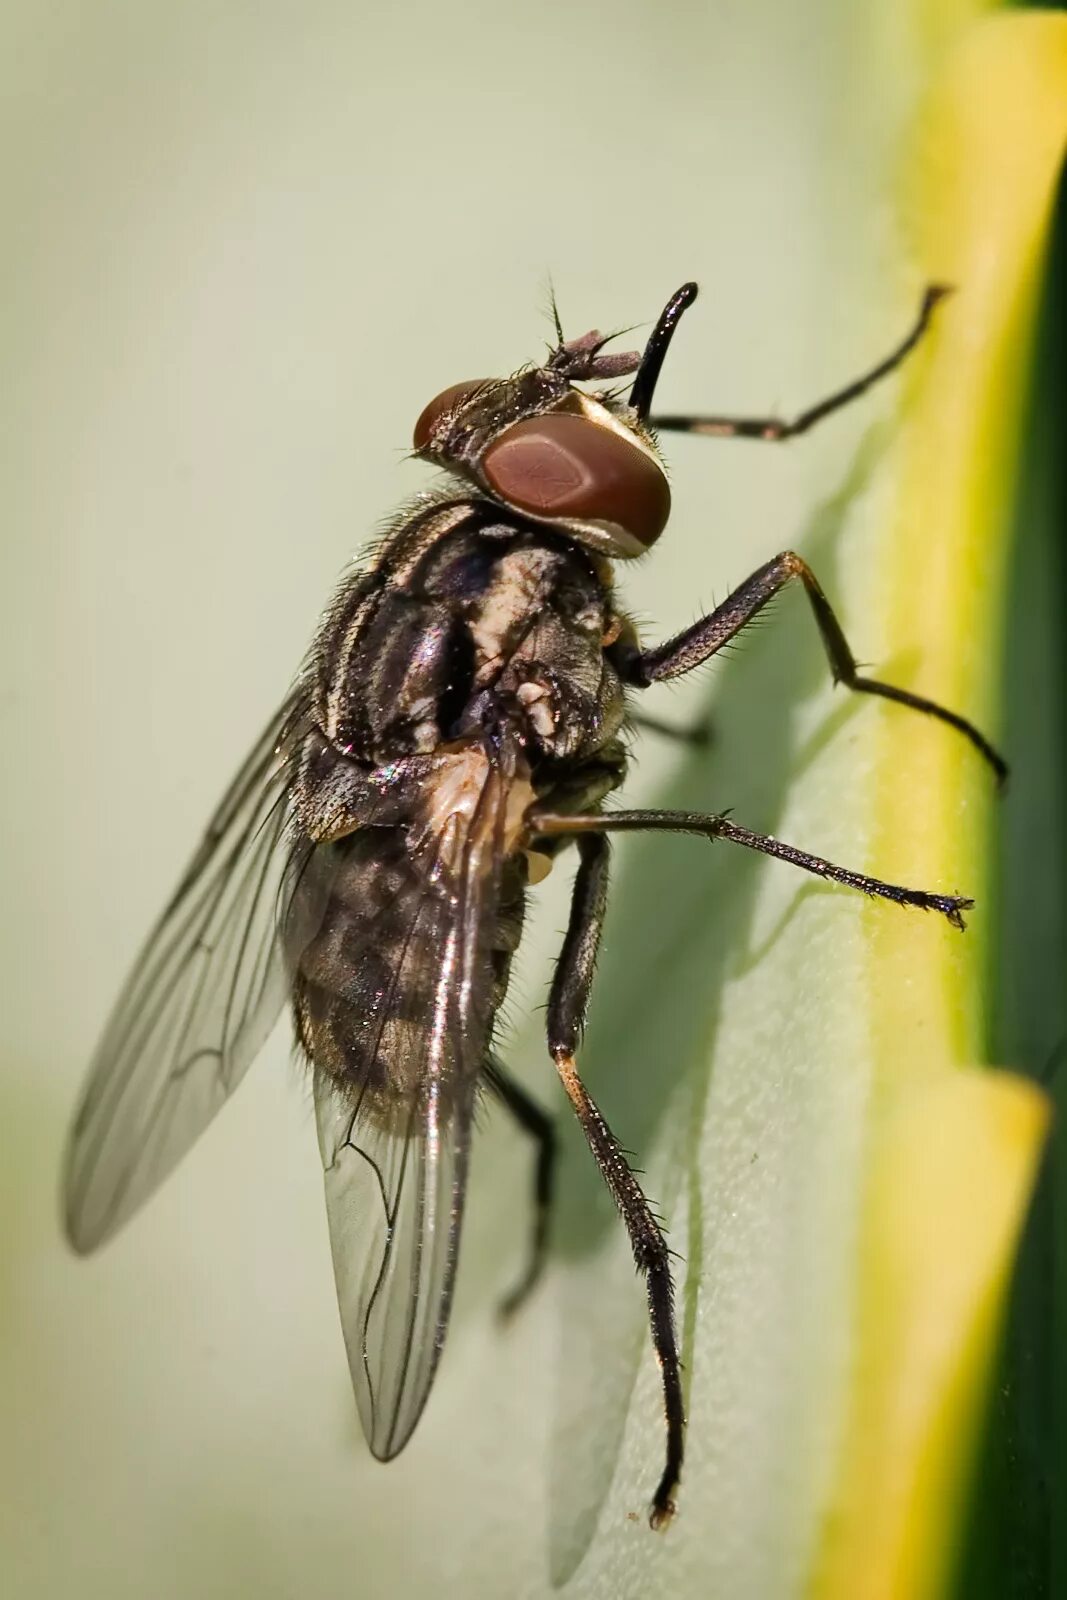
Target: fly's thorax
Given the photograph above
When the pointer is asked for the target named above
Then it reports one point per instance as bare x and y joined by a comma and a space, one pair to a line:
469, 626
538, 632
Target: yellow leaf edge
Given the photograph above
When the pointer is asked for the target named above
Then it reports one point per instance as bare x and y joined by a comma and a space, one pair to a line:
953, 1148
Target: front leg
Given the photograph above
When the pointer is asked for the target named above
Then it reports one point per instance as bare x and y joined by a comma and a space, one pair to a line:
775, 429
700, 642
567, 1005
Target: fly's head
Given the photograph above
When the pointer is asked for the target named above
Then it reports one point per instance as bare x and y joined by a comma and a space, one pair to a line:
583, 463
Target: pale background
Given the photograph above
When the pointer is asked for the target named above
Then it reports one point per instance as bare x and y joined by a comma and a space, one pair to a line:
244, 244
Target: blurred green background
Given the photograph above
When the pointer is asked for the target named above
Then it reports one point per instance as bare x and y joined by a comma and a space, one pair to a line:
244, 244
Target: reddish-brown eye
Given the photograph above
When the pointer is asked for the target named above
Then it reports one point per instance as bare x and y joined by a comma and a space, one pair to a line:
445, 401
561, 465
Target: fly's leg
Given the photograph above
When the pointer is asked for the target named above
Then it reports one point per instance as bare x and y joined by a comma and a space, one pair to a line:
567, 1004
539, 1125
700, 642
550, 825
774, 429
698, 734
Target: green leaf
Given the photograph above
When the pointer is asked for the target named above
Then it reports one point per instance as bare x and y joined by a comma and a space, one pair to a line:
849, 1180
952, 1151
1017, 1529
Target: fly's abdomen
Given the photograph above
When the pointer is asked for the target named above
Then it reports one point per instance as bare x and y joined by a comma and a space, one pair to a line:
372, 941
361, 982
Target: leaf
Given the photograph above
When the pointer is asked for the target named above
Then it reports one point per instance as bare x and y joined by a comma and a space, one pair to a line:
852, 1183
952, 1150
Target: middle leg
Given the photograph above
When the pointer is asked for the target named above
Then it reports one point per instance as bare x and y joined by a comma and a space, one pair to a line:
698, 643
541, 1128
698, 734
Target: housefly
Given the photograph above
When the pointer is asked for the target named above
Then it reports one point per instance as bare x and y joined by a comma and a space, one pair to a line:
459, 721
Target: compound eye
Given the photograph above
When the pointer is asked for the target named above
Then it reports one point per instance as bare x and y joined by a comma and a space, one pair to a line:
567, 466
447, 400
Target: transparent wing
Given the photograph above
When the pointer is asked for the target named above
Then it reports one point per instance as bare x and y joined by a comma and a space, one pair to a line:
406, 1032
394, 1198
202, 998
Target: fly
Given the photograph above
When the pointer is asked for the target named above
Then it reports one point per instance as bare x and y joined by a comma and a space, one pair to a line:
460, 720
